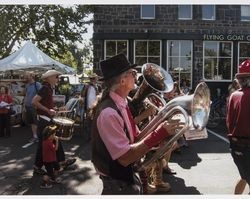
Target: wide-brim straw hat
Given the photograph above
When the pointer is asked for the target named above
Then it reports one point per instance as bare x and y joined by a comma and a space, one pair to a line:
50, 73
93, 76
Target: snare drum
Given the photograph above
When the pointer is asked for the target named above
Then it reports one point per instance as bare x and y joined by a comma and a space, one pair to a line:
66, 127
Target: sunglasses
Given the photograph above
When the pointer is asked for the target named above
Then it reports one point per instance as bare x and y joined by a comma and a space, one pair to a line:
133, 72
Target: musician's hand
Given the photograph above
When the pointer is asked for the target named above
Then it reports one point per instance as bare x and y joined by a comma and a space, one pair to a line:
172, 126
52, 112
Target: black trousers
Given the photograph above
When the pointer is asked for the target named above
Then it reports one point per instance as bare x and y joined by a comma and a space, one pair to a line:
39, 152
5, 126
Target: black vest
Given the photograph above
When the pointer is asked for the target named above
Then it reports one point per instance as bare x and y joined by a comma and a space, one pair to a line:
100, 155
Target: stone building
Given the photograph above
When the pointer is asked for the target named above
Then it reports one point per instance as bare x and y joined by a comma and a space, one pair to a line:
192, 42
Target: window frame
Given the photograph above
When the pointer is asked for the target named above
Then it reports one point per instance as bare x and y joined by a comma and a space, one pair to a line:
105, 46
217, 57
191, 12
160, 54
142, 17
214, 13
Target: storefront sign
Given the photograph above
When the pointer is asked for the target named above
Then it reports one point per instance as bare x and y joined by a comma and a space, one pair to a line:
230, 37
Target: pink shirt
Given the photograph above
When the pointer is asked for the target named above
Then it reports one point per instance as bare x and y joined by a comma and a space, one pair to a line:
111, 128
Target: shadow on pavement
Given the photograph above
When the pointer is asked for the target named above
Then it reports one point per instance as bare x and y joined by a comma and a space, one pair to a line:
178, 186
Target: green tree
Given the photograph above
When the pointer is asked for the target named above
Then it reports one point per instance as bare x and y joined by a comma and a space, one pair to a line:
52, 27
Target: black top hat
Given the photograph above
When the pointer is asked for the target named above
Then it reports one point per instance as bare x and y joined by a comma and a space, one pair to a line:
115, 66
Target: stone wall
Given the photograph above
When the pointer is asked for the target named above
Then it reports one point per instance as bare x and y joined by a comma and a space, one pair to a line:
122, 19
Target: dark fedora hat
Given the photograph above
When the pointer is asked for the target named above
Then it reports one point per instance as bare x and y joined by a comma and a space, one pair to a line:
115, 66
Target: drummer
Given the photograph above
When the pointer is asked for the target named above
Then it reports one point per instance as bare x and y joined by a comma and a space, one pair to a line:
43, 101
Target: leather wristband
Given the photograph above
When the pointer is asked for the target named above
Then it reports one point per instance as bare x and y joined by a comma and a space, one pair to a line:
155, 137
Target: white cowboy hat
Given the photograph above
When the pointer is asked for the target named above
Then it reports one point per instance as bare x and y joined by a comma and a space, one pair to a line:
93, 76
50, 73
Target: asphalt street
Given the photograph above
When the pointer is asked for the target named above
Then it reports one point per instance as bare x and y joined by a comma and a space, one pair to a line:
204, 167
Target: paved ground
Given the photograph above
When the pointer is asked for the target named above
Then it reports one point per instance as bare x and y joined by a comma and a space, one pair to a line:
16, 173
205, 167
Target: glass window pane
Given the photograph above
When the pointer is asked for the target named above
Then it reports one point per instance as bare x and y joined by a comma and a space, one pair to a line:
173, 48
185, 80
185, 64
147, 11
186, 48
141, 48
173, 63
154, 48
225, 49
210, 68
210, 49
122, 47
185, 11
224, 68
155, 60
110, 48
140, 60
208, 12
244, 50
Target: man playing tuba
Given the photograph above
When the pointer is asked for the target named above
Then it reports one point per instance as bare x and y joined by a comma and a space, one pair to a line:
115, 148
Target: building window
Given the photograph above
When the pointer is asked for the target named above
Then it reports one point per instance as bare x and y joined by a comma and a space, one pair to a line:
208, 12
147, 11
244, 51
185, 12
217, 62
114, 47
245, 13
179, 60
147, 52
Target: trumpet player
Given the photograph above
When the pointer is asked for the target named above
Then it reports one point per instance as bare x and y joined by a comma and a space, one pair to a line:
115, 147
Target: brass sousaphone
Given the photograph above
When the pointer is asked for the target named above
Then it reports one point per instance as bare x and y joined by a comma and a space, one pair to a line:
155, 79
193, 108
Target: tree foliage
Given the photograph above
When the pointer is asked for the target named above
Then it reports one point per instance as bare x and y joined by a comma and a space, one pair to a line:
52, 27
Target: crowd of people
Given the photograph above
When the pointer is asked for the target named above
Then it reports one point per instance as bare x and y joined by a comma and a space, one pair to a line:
114, 129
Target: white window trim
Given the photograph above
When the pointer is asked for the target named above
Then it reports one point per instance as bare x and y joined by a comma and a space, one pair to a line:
105, 43
148, 17
205, 19
191, 69
217, 56
147, 50
191, 17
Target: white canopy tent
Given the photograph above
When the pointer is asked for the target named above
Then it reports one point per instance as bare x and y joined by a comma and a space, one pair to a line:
31, 57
